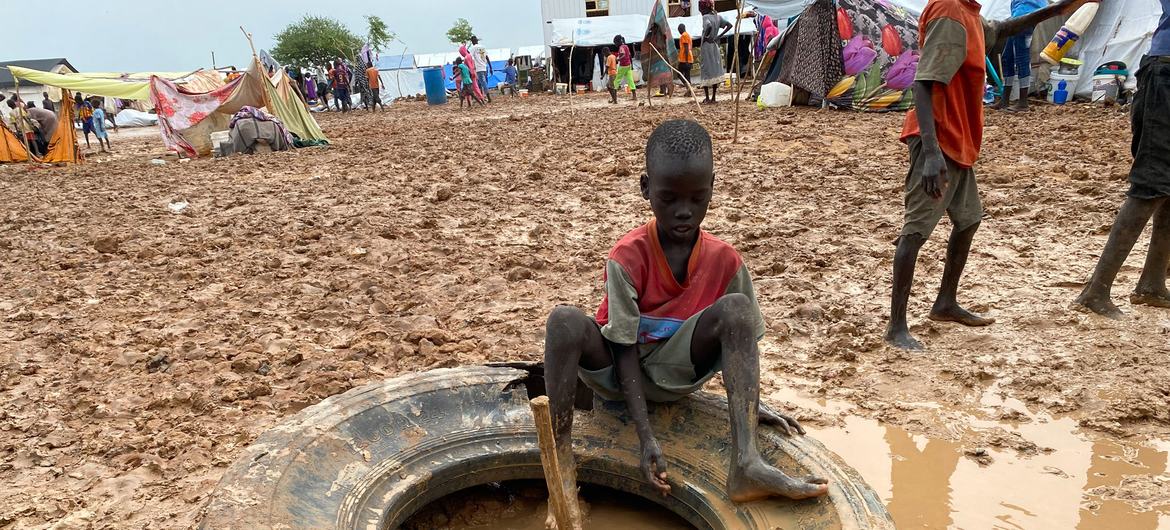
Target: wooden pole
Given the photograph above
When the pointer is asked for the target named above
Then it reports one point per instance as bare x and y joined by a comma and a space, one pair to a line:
738, 72
694, 98
559, 471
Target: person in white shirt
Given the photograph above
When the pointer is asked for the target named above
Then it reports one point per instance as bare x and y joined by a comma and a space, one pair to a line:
483, 66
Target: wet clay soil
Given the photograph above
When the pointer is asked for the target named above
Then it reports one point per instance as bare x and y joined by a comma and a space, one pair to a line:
520, 505
141, 349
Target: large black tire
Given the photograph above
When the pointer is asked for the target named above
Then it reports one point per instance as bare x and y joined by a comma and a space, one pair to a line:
371, 457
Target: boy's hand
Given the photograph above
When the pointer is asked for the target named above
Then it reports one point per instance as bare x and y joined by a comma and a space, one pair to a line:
934, 172
654, 466
1072, 5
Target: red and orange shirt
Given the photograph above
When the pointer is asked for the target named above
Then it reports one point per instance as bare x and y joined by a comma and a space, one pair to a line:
952, 44
644, 303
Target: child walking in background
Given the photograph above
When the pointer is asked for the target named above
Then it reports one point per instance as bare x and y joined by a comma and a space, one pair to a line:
99, 128
686, 55
84, 116
625, 66
611, 71
462, 76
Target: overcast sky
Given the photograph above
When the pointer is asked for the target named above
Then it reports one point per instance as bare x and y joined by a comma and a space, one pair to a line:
173, 35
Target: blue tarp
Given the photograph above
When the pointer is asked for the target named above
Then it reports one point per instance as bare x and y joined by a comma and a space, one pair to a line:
395, 62
494, 79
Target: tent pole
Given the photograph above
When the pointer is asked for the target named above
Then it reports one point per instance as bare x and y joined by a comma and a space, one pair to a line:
23, 136
213, 59
249, 37
738, 73
688, 83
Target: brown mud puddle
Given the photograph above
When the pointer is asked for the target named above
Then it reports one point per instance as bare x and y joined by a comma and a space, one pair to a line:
521, 505
1034, 471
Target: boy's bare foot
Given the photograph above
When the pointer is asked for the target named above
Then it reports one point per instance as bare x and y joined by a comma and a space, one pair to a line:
954, 313
1101, 306
902, 340
1151, 298
757, 480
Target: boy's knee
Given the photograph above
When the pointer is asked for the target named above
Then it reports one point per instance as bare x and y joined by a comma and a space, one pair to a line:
566, 321
734, 309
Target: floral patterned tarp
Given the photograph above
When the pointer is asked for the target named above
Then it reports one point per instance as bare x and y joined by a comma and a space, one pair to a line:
880, 56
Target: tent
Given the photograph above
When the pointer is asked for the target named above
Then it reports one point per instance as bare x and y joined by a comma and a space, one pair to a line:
62, 146
196, 103
188, 118
584, 36
879, 40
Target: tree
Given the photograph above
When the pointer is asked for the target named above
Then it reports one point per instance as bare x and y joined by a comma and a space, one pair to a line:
313, 41
460, 32
378, 35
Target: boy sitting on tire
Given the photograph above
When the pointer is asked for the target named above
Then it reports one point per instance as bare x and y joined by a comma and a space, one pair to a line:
679, 307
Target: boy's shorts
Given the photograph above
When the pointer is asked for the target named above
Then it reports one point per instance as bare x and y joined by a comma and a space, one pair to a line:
466, 91
669, 373
87, 126
625, 73
960, 199
1149, 178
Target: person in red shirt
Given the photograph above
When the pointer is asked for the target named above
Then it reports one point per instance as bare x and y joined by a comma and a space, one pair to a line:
679, 307
625, 71
944, 133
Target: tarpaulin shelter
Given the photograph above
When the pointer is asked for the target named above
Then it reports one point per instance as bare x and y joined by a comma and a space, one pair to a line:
188, 118
62, 146
878, 43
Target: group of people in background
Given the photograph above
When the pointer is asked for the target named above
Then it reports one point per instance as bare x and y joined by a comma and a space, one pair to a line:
37, 125
471, 71
618, 61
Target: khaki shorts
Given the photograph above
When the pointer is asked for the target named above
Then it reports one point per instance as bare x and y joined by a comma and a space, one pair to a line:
667, 367
960, 200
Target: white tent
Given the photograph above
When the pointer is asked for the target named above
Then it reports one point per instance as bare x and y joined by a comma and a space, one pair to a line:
599, 31
532, 51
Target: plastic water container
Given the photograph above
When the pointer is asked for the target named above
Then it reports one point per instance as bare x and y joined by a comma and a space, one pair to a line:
1060, 95
436, 86
1106, 87
1069, 34
775, 95
1070, 84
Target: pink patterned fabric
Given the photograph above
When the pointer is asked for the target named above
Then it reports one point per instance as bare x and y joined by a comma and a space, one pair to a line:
179, 110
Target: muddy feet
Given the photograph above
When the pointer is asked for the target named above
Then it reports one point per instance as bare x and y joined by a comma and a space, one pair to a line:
1101, 305
757, 480
902, 340
954, 313
1151, 297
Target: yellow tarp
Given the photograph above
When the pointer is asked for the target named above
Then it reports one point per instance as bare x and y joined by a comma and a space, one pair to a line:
287, 105
100, 87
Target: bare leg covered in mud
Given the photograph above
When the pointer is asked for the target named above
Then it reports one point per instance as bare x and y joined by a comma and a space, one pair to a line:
573, 339
725, 331
946, 306
1151, 288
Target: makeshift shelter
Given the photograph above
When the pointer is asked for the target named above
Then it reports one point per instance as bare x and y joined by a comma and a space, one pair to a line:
583, 38
31, 91
879, 38
190, 114
62, 146
188, 118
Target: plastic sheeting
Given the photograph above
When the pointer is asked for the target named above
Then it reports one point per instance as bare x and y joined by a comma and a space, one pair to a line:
134, 118
62, 146
599, 31
112, 88
398, 83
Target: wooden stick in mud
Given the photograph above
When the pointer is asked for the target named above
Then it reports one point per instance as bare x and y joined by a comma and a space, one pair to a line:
690, 89
738, 72
559, 474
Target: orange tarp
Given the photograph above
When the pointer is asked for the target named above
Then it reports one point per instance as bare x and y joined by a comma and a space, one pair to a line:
62, 146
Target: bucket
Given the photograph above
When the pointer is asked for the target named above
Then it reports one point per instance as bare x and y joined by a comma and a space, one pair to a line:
436, 86
562, 88
1054, 82
523, 92
1106, 87
582, 88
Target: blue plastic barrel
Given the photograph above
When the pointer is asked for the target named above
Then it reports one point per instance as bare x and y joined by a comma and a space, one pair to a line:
436, 86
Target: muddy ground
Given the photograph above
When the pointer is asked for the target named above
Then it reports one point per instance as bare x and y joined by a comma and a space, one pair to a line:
141, 349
